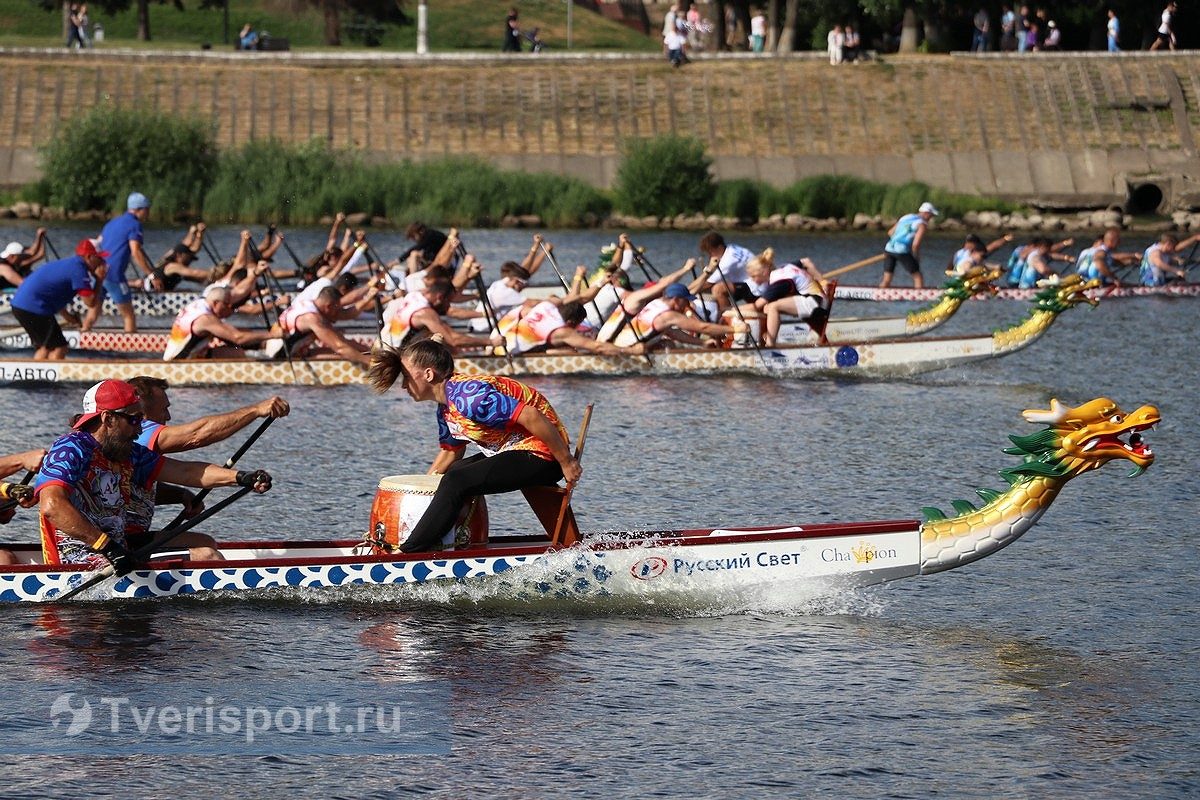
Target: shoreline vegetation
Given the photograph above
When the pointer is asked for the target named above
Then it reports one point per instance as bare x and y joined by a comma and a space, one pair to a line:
665, 182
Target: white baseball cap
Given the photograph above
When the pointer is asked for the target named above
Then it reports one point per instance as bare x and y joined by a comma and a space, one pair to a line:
12, 249
927, 207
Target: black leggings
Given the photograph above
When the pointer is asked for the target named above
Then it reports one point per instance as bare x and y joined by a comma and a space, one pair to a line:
470, 477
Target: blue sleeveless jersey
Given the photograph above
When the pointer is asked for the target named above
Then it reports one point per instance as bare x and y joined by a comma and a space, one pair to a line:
906, 231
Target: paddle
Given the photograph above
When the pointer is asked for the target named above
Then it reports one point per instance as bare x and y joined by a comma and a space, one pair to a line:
8, 505
644, 263
295, 259
241, 451
164, 536
833, 273
493, 319
566, 501
738, 310
49, 244
561, 279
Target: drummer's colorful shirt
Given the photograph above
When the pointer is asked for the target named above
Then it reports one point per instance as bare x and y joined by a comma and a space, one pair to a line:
483, 409
99, 489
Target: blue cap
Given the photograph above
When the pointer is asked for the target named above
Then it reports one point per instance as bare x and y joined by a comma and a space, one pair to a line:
137, 200
676, 291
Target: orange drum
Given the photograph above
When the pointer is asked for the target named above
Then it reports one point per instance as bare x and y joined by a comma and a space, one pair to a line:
401, 500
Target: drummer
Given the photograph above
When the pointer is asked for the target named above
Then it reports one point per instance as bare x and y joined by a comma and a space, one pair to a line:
522, 441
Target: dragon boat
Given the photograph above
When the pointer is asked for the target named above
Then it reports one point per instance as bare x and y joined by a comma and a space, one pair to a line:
869, 359
564, 563
927, 294
850, 329
950, 298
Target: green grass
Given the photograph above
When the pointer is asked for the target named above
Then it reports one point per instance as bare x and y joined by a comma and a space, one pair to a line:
453, 25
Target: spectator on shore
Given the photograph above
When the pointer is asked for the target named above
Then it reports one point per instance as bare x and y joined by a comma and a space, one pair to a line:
73, 27
1023, 20
1114, 31
983, 28
758, 30
1165, 38
1033, 36
673, 42
1008, 29
852, 49
1053, 37
697, 27
836, 41
248, 38
512, 33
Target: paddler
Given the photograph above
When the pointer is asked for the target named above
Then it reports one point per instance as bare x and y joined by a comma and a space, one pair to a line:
661, 310
50, 289
310, 322
1159, 259
14, 494
904, 245
84, 484
202, 320
522, 441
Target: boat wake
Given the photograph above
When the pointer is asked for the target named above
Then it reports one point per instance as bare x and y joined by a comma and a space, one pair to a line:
578, 581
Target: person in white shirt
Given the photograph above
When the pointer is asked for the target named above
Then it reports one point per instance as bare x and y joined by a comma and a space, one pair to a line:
758, 31
836, 41
730, 274
1166, 36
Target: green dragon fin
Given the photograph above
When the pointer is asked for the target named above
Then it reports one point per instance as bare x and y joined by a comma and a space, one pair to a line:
932, 514
963, 506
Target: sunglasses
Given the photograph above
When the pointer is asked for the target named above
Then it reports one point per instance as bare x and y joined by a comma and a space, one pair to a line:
133, 419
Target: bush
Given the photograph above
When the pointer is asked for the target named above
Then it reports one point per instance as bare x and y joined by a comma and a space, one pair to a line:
738, 198
664, 176
96, 159
270, 181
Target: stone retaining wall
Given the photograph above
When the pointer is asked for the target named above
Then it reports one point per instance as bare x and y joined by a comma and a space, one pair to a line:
1067, 130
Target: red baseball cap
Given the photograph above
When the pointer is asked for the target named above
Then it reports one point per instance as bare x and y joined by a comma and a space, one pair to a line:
107, 395
88, 248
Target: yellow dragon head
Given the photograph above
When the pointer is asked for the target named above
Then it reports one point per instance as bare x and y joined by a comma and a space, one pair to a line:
1083, 438
976, 280
1070, 290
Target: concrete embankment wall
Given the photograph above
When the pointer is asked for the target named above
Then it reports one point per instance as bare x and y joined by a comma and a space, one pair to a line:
1068, 130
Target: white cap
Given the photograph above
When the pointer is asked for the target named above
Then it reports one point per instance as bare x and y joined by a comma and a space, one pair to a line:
12, 249
1052, 23
927, 207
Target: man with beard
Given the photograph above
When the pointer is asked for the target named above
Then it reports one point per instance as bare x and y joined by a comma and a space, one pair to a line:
84, 484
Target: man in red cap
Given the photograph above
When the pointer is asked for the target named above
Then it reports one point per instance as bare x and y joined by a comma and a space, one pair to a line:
85, 483
49, 289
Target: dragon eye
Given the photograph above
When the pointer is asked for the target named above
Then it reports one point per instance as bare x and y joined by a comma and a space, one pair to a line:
1116, 419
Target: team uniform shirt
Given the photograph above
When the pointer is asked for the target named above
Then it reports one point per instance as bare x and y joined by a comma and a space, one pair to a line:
51, 287
1150, 273
483, 410
1088, 262
906, 230
98, 489
1029, 273
313, 289
527, 330
625, 330
115, 238
732, 265
140, 512
503, 299
798, 276
1015, 268
183, 342
397, 317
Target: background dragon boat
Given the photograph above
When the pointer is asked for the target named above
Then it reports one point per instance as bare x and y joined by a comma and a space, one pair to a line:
888, 358
1074, 441
926, 294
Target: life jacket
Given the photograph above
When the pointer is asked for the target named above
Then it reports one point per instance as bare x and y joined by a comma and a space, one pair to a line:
397, 317
525, 331
183, 341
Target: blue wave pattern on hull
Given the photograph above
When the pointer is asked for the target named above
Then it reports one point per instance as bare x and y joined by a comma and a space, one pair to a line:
166, 583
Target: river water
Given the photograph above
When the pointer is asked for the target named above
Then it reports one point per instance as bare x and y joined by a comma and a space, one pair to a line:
1064, 666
